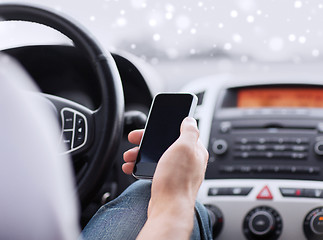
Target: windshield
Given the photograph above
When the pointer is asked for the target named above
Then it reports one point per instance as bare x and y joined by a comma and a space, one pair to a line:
240, 31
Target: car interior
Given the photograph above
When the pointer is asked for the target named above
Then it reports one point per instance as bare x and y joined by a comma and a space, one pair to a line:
260, 118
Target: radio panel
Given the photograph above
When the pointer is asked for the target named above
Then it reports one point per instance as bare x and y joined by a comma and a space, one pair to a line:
266, 142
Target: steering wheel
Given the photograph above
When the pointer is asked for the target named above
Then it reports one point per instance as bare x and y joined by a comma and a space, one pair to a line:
93, 134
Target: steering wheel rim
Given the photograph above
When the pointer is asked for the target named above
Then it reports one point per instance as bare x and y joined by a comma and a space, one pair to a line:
109, 115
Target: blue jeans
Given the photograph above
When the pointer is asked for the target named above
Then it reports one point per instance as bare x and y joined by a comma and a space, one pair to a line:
124, 217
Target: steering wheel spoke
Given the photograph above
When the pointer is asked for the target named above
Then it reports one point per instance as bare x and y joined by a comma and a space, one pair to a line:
77, 124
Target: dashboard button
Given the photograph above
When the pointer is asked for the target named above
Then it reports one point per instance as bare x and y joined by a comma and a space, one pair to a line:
228, 169
225, 127
265, 194
245, 169
241, 191
313, 193
218, 191
229, 191
291, 192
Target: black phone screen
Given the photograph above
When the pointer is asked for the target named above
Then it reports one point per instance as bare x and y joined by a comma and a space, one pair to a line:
162, 130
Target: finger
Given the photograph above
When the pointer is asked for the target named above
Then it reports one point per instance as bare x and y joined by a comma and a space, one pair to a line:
131, 154
135, 136
189, 129
127, 168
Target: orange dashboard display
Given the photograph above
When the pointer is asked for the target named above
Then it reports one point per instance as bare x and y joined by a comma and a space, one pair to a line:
280, 97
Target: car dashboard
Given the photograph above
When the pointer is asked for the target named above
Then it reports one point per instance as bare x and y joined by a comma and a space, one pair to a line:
264, 136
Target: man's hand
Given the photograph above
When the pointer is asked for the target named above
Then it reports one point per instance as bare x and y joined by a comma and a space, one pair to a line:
176, 181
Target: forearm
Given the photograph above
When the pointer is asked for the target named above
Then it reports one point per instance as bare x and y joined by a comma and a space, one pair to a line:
172, 222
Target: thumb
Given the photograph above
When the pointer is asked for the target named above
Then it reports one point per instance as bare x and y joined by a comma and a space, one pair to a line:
189, 129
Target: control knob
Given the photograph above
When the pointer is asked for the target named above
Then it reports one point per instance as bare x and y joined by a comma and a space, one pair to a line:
219, 146
216, 219
262, 223
313, 224
318, 148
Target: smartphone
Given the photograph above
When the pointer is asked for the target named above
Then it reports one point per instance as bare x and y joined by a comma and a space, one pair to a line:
162, 129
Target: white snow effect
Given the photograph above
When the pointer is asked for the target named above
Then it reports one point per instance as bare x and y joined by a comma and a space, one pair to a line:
133, 46
138, 3
250, 19
247, 5
122, 12
168, 15
259, 12
220, 25
298, 4
237, 38
156, 37
291, 37
179, 31
183, 22
121, 22
92, 18
234, 13
200, 4
170, 8
152, 22
193, 31
315, 52
302, 39
227, 46
320, 5
276, 44
192, 51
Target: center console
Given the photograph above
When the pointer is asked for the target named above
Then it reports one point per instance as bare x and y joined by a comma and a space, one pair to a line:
265, 171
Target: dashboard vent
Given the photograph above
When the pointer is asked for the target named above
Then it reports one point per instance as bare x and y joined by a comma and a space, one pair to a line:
200, 97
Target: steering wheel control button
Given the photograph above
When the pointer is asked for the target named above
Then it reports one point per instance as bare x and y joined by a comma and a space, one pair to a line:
79, 137
265, 194
76, 123
68, 119
219, 146
67, 139
262, 223
313, 224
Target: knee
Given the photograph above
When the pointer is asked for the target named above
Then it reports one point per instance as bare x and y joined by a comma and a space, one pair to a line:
139, 188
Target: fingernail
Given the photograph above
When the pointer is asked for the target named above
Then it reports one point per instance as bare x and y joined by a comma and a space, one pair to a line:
190, 120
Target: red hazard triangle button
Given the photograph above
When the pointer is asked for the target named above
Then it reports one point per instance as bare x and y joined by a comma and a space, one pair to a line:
265, 193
